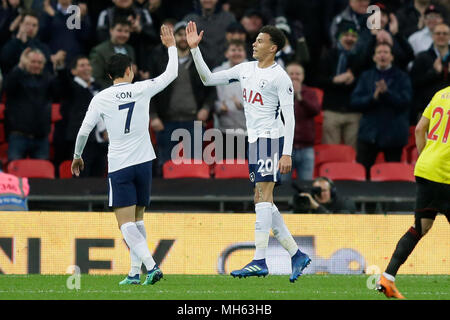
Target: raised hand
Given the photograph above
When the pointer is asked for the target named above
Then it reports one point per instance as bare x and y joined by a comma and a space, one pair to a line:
167, 37
192, 37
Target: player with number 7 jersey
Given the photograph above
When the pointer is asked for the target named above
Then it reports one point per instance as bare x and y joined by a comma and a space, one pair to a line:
124, 107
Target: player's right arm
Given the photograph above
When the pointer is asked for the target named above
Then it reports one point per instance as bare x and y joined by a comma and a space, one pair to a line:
421, 133
90, 120
208, 78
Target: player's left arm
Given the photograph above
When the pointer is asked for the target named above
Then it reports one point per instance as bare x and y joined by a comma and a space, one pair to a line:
162, 81
90, 120
286, 99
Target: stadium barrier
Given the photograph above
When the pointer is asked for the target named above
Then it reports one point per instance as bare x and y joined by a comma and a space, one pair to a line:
50, 242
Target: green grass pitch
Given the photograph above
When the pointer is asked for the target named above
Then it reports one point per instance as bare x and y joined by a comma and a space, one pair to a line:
220, 287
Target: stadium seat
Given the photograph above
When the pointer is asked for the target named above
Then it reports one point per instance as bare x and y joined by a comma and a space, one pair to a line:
32, 168
413, 155
343, 171
392, 171
2, 111
4, 154
2, 133
334, 153
318, 120
318, 126
404, 158
228, 171
65, 169
319, 93
56, 115
183, 170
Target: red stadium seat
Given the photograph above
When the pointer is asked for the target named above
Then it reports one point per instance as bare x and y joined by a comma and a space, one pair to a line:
318, 126
4, 154
404, 158
56, 115
2, 133
318, 120
319, 93
334, 153
413, 155
2, 111
183, 170
228, 171
65, 169
32, 168
343, 171
392, 171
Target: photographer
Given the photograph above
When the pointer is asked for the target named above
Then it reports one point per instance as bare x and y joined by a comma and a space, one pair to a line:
322, 198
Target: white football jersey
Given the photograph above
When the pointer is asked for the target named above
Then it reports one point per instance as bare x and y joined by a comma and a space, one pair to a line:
124, 108
264, 91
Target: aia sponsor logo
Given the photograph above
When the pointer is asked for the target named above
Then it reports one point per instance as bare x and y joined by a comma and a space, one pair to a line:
253, 97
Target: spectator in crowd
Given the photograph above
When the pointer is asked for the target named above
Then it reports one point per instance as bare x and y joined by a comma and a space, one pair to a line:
184, 101
308, 23
339, 68
287, 53
383, 94
356, 12
58, 36
238, 7
29, 92
10, 17
118, 43
230, 106
421, 40
214, 22
143, 35
431, 70
78, 87
411, 16
14, 192
323, 198
235, 31
252, 21
26, 38
306, 107
388, 33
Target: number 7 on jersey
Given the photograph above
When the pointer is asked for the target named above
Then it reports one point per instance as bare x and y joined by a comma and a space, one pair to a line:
130, 107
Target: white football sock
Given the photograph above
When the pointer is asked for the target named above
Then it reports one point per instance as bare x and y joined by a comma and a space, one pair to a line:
262, 228
389, 277
136, 263
281, 232
137, 243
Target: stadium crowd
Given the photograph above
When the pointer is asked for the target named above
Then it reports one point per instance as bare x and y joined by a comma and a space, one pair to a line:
368, 85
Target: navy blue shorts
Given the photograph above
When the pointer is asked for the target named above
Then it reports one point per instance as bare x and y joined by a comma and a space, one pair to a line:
130, 186
263, 157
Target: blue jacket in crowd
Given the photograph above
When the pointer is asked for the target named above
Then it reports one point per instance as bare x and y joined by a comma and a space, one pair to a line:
385, 122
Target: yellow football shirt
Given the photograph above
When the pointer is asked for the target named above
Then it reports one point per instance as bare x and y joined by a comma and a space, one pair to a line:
434, 161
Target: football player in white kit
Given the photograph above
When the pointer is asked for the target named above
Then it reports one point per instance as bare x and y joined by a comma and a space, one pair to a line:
266, 90
124, 107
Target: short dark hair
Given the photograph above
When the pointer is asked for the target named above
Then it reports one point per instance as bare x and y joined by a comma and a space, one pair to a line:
121, 21
31, 13
236, 42
117, 65
276, 36
384, 43
74, 62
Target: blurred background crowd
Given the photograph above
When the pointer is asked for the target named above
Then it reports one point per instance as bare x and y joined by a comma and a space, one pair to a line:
354, 85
